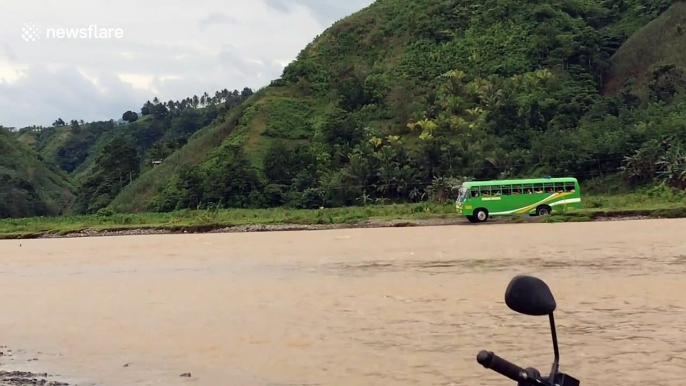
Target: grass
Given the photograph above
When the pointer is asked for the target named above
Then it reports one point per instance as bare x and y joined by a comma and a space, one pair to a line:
658, 202
591, 215
633, 201
204, 220
661, 204
288, 118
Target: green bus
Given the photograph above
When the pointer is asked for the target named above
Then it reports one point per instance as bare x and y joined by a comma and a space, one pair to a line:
479, 200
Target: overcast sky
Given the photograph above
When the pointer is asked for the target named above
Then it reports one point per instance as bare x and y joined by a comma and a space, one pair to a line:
171, 49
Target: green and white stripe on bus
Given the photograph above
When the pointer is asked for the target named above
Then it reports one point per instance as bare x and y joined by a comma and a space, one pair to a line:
479, 200
552, 200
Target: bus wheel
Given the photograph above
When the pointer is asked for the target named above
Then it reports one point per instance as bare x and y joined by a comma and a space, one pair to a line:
543, 210
471, 218
480, 215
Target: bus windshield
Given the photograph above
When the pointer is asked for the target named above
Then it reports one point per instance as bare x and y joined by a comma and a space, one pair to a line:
462, 196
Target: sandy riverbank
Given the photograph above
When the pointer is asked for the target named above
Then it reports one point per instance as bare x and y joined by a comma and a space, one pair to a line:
18, 370
209, 228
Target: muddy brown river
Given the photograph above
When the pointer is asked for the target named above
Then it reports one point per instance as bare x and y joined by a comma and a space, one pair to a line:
404, 306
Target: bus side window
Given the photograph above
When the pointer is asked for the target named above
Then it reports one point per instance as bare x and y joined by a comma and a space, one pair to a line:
486, 190
496, 191
506, 191
559, 187
569, 187
538, 188
475, 192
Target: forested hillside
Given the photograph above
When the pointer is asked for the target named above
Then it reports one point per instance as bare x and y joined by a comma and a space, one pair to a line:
103, 157
404, 98
28, 185
400, 102
653, 58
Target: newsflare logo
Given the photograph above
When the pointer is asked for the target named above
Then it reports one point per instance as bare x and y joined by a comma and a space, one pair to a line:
32, 32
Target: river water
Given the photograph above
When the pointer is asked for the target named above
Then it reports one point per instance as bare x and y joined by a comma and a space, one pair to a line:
402, 306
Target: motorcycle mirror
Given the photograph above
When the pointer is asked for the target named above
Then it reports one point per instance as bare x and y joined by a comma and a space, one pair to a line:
529, 295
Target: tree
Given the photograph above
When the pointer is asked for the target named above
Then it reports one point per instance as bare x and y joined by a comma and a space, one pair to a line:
233, 182
130, 116
147, 108
159, 111
246, 92
75, 127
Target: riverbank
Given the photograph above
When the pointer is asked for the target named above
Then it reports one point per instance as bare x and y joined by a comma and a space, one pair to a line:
16, 370
26, 378
236, 220
266, 220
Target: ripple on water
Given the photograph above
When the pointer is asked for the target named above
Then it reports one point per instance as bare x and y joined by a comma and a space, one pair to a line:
630, 265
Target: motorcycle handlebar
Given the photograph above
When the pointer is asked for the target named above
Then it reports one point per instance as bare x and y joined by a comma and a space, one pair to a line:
503, 367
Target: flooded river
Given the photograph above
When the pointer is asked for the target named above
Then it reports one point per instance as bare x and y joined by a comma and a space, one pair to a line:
404, 306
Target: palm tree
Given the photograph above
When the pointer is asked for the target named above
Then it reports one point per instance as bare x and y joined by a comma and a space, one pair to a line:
475, 113
452, 104
376, 142
457, 123
673, 167
455, 85
149, 106
543, 75
428, 127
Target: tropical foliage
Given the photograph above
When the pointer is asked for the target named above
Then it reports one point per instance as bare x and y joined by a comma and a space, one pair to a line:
401, 102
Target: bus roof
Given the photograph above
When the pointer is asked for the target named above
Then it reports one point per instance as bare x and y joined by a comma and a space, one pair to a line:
520, 181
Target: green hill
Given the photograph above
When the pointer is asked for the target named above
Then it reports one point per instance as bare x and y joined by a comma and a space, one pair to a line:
74, 147
30, 186
651, 57
95, 153
120, 155
67, 146
397, 102
393, 101
143, 189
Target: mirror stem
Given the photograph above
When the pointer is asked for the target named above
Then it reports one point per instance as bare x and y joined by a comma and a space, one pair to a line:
553, 371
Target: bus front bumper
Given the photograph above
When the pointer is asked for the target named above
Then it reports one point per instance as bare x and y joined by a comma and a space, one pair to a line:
465, 210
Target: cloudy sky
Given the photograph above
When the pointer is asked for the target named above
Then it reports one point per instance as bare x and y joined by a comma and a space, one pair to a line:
170, 49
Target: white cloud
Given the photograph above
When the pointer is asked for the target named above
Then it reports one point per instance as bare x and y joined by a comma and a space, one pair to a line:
325, 11
216, 18
169, 49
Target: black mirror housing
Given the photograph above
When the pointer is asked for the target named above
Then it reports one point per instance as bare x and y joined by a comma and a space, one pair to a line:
529, 295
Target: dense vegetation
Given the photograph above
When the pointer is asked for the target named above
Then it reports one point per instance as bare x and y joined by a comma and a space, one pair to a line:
104, 157
28, 185
403, 100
